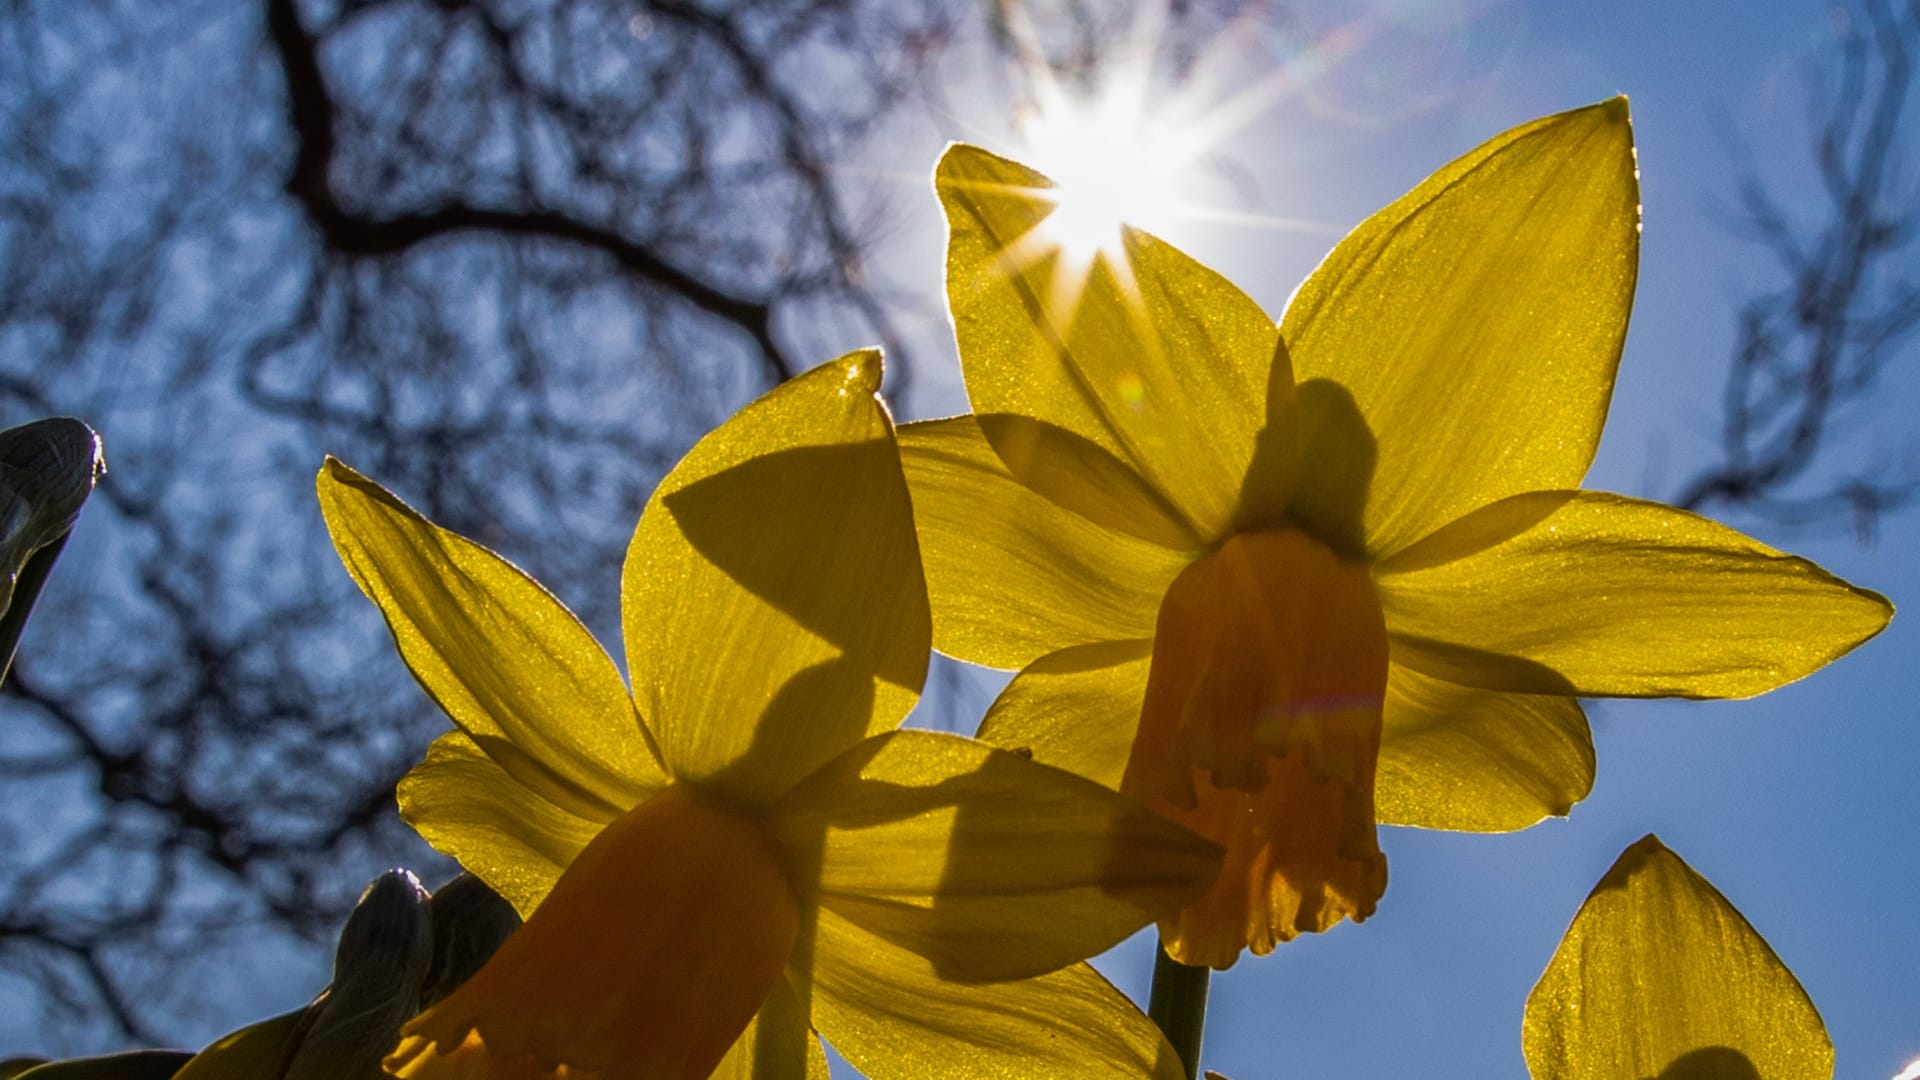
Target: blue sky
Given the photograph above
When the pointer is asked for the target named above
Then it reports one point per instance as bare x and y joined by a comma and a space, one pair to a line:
1798, 805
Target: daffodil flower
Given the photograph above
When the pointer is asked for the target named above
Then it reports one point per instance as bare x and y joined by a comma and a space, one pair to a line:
1660, 976
1283, 582
743, 851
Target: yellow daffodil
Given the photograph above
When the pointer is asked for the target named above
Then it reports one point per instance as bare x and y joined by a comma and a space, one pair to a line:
1660, 977
743, 852
1284, 581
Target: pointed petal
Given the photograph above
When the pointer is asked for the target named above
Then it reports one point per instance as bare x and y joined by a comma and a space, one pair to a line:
1660, 976
1581, 592
471, 807
1452, 757
889, 1014
1477, 323
990, 866
504, 658
652, 953
778, 1045
774, 606
1076, 709
1011, 574
1156, 359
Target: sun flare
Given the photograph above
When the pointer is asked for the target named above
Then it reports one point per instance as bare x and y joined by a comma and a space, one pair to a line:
1132, 146
1112, 170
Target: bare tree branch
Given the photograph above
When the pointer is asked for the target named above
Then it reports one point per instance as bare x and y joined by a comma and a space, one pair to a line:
1839, 324
424, 235
311, 114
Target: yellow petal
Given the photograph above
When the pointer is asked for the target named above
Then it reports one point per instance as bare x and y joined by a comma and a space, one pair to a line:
990, 866
1477, 323
1596, 594
121, 1065
649, 957
887, 1011
1013, 575
1075, 709
471, 807
504, 658
1660, 977
257, 1050
778, 1045
774, 606
1154, 358
1453, 757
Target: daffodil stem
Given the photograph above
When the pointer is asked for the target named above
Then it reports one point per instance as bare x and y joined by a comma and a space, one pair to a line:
1179, 1005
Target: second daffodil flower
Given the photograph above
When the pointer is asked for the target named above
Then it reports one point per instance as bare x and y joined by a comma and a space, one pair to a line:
1282, 582
744, 851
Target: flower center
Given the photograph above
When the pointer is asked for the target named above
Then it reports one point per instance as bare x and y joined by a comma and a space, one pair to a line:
649, 957
1260, 730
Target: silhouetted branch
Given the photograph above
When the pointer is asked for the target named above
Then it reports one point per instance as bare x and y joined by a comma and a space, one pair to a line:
311, 113
509, 258
1826, 338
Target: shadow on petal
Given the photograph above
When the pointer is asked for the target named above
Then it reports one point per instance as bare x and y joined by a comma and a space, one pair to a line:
1082, 476
1710, 1063
1478, 668
985, 864
815, 715
1337, 452
1274, 471
727, 517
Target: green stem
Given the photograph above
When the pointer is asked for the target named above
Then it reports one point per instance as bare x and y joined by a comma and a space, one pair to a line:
1179, 1005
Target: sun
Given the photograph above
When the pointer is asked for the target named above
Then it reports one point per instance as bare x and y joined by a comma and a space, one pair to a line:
1131, 147
1141, 143
1112, 170
1115, 164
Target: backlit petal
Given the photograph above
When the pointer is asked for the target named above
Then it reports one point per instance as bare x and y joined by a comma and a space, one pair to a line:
1075, 709
778, 1045
1477, 323
1153, 358
470, 806
987, 864
254, 1051
1589, 593
494, 649
1013, 575
887, 1011
1660, 977
1453, 757
645, 962
774, 607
